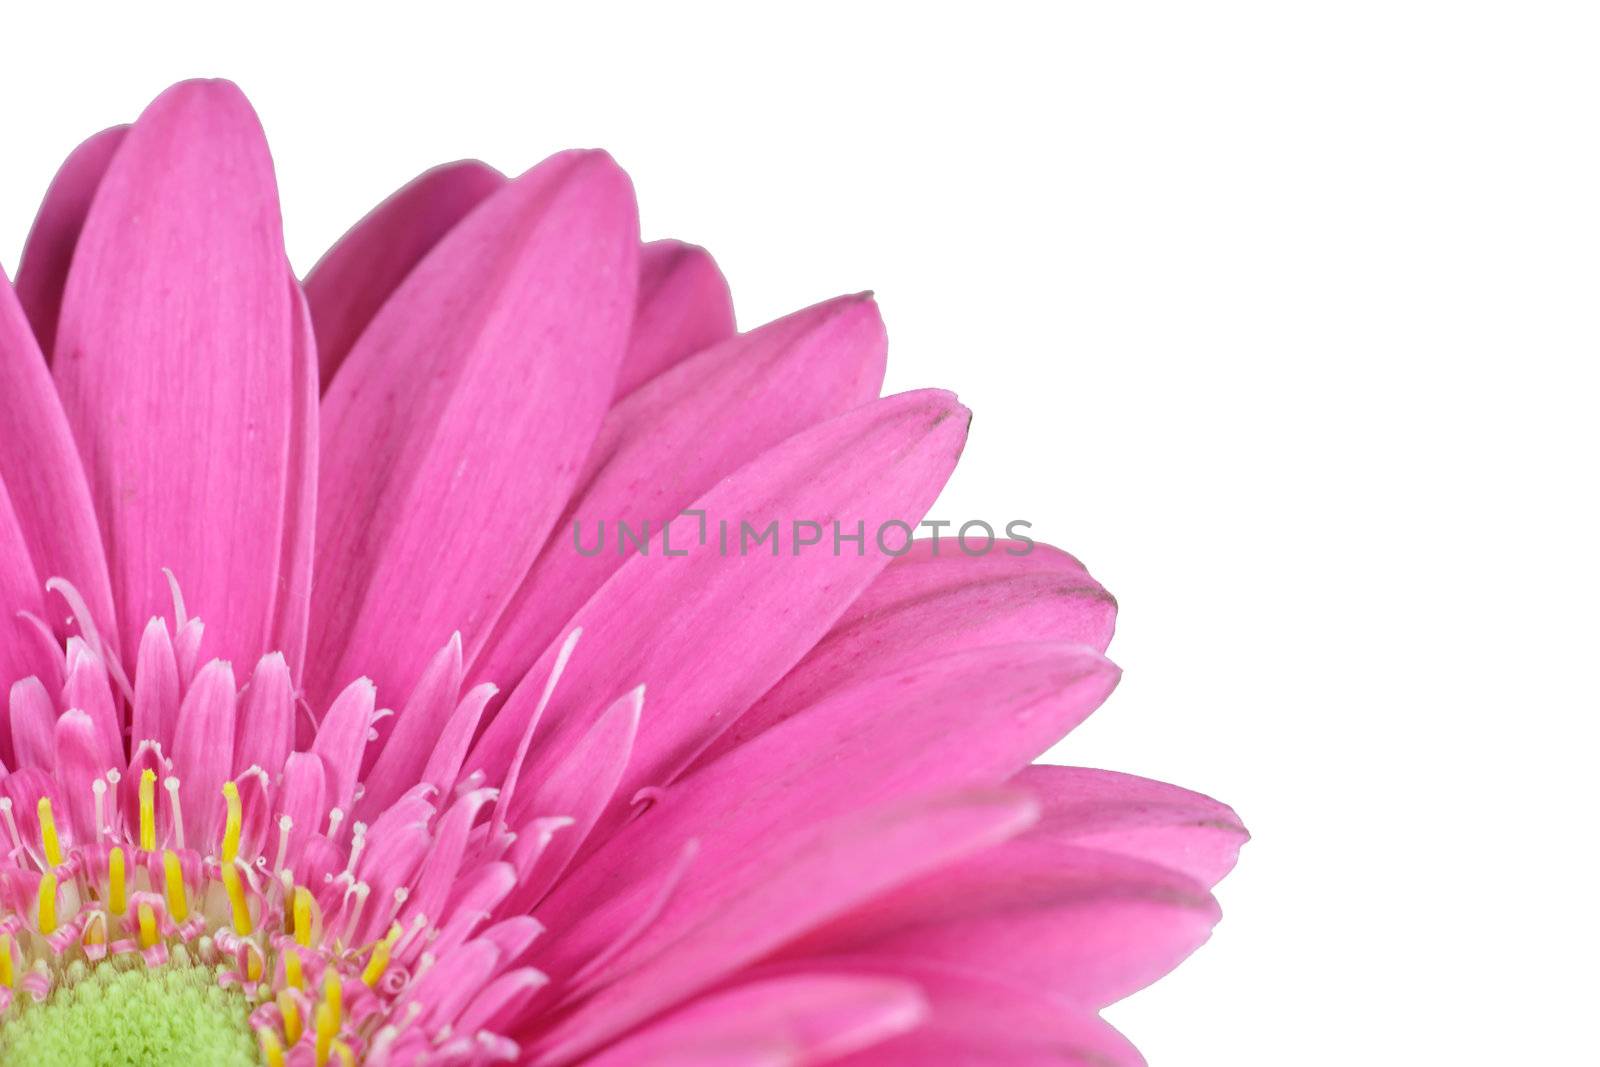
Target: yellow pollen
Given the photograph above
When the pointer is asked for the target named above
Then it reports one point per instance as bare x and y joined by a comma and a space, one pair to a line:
271, 1047
148, 934
177, 895
253, 964
230, 835
7, 978
333, 995
47, 905
327, 1027
235, 888
47, 831
302, 915
291, 972
292, 1024
379, 959
347, 1057
117, 902
147, 810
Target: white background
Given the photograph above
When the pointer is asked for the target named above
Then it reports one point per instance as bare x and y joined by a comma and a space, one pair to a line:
1282, 316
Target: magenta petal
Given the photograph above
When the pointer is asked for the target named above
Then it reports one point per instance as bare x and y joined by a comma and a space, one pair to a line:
684, 306
1090, 927
83, 754
41, 473
19, 592
33, 720
675, 623
47, 255
678, 436
174, 364
1137, 817
342, 739
977, 1022
416, 732
266, 723
292, 607
936, 600
155, 687
202, 752
354, 277
737, 909
453, 441
796, 1019
968, 720
579, 789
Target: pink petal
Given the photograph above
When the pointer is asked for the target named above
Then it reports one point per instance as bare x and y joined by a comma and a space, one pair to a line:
202, 751
1090, 927
978, 1022
684, 306
292, 607
438, 879
502, 1000
174, 361
33, 719
934, 600
342, 739
266, 726
416, 732
453, 442
967, 720
580, 788
1137, 817
19, 592
155, 687
43, 476
708, 634
798, 1019
735, 911
354, 277
88, 687
677, 437
444, 764
304, 801
82, 755
47, 255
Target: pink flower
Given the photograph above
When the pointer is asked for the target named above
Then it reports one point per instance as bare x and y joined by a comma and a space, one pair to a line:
433, 782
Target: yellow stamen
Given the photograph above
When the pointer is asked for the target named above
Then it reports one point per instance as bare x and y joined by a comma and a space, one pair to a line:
347, 1057
379, 959
118, 900
230, 834
271, 1047
333, 994
95, 932
47, 905
147, 810
327, 1027
292, 1023
241, 910
291, 972
177, 895
148, 934
47, 830
7, 978
302, 915
253, 962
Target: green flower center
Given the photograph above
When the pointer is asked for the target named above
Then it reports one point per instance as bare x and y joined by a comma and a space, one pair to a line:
124, 1014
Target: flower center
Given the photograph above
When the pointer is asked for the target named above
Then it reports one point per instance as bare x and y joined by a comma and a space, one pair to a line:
119, 1011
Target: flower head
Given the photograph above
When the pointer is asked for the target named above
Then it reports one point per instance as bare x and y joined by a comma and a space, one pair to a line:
333, 738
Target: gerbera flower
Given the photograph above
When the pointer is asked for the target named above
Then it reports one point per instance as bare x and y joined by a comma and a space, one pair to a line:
332, 740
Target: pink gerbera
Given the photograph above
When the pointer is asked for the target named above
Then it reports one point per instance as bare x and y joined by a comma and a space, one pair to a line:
334, 738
